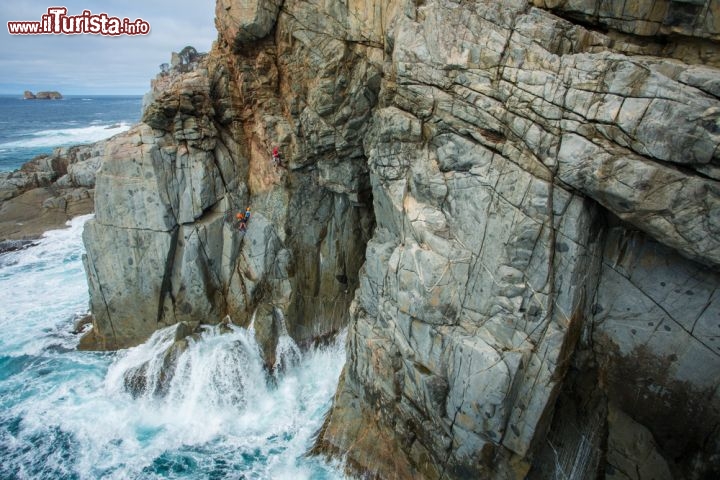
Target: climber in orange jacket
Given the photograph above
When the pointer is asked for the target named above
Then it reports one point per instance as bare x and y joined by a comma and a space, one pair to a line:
243, 219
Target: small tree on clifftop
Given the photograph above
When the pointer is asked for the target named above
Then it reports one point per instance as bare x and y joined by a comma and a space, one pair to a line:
188, 55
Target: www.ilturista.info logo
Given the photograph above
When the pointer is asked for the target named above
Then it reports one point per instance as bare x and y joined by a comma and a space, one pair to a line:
58, 22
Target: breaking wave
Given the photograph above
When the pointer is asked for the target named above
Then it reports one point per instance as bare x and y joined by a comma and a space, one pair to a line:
213, 412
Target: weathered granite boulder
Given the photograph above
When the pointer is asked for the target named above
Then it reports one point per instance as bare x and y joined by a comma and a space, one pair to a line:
48, 190
240, 22
518, 214
186, 61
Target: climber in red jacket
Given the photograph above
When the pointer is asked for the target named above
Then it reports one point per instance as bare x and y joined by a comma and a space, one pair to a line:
276, 156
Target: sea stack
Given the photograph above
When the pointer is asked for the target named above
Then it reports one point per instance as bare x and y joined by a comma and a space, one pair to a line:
51, 95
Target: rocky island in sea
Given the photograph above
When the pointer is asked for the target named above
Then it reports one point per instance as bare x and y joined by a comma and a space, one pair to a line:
28, 95
513, 207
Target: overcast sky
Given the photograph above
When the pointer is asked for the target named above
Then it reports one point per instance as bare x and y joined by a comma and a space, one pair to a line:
94, 64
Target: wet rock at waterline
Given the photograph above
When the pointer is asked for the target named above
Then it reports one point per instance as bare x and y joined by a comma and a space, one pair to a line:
498, 199
277, 348
179, 362
14, 245
266, 333
153, 376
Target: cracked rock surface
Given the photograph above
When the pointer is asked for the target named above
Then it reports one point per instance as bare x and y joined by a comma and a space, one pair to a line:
165, 246
536, 192
515, 207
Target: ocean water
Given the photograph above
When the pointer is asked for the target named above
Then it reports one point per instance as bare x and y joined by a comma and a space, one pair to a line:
32, 127
66, 414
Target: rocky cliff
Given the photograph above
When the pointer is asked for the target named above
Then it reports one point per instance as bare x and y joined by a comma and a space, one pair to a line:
515, 206
168, 192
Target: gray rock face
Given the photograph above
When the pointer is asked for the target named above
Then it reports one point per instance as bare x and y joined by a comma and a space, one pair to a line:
655, 323
497, 151
692, 18
632, 452
161, 206
498, 200
169, 189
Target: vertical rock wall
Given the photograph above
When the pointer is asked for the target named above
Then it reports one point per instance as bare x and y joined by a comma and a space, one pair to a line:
165, 248
503, 139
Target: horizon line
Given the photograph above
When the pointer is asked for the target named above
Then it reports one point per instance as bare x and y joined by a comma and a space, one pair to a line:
20, 94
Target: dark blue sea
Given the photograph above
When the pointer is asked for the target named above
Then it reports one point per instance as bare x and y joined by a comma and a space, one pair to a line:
32, 127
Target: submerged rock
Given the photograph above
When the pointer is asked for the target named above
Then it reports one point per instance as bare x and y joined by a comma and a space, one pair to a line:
14, 245
153, 379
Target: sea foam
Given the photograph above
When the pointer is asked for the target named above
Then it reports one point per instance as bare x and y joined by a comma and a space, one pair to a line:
68, 136
69, 414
